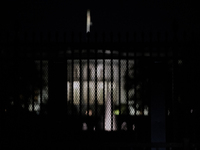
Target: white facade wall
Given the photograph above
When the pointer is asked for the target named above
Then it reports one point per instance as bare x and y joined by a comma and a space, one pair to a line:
107, 83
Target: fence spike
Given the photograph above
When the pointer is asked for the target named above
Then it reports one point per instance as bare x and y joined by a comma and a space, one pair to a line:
119, 37
49, 36
127, 36
57, 34
158, 36
111, 37
64, 37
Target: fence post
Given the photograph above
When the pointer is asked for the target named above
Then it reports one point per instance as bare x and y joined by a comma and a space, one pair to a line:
186, 144
158, 117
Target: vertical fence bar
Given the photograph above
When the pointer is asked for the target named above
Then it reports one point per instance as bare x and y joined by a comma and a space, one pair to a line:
88, 74
95, 81
174, 92
166, 41
127, 90
26, 43
80, 76
119, 74
120, 58
176, 86
151, 58
141, 108
41, 73
49, 73
72, 75
166, 46
66, 75
112, 85
67, 86
135, 75
112, 121
16, 44
112, 102
1, 69
158, 46
33, 88
103, 83
150, 55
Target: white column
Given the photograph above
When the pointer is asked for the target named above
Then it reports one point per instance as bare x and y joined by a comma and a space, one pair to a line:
108, 115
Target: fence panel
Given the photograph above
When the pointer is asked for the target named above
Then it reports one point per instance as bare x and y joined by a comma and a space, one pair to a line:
102, 85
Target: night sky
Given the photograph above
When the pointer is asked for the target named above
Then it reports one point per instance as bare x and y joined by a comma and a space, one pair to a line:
117, 16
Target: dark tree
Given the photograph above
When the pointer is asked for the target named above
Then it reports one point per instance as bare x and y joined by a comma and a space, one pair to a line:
137, 78
20, 81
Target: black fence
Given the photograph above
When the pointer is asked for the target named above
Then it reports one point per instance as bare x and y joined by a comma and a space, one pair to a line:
103, 83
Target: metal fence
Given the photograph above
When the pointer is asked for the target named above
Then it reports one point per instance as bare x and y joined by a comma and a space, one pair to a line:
103, 82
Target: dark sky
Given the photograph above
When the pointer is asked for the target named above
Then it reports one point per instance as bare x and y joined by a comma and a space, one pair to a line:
116, 16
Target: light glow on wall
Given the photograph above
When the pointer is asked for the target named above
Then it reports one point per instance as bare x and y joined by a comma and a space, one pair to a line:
76, 90
98, 89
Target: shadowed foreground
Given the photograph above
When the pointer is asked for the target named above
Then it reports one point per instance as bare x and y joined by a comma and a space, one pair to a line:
43, 132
